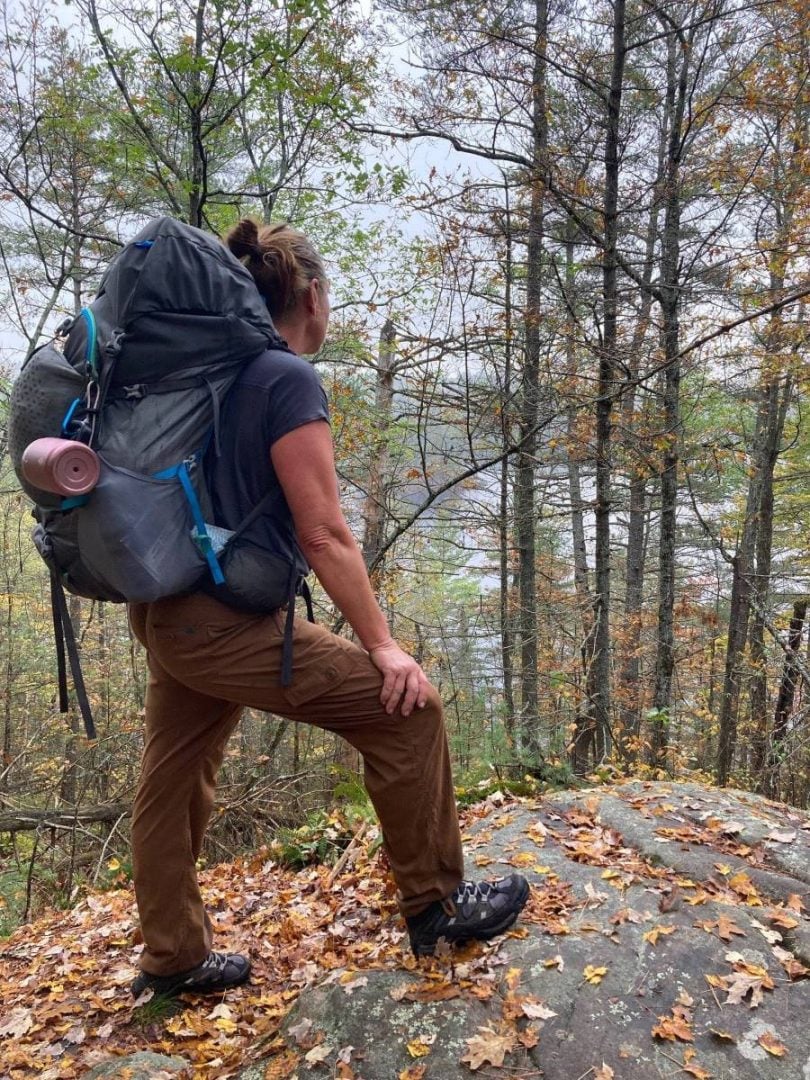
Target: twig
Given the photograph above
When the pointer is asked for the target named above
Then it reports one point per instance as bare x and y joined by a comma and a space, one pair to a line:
344, 858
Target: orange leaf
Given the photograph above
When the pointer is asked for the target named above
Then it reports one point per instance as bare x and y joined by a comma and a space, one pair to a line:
769, 1042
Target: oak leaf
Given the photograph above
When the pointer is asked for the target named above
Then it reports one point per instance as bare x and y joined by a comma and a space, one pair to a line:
795, 968
318, 1054
489, 1047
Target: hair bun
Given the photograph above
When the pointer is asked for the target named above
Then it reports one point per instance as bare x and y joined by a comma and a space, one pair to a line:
243, 240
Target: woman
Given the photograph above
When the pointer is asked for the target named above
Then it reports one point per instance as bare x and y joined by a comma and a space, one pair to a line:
208, 660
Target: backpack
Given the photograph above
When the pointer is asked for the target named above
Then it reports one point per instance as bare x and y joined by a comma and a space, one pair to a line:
140, 379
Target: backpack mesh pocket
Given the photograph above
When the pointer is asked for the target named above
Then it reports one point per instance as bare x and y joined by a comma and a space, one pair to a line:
136, 532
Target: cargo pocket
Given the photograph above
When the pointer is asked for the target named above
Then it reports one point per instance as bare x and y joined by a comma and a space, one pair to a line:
319, 665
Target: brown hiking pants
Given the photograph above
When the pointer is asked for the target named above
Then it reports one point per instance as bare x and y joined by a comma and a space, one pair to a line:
207, 661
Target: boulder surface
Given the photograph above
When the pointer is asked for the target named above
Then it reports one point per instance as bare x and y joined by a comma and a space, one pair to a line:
666, 936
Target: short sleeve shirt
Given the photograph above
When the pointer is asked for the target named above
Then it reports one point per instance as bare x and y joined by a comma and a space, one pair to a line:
274, 394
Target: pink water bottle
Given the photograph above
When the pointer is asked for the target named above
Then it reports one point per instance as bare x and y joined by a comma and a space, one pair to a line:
60, 466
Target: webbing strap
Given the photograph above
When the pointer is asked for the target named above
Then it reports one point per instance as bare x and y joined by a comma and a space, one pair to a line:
59, 640
65, 637
287, 650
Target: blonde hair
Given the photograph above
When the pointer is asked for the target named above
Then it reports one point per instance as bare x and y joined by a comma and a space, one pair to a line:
281, 259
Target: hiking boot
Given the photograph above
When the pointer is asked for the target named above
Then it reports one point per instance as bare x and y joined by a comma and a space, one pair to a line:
475, 911
217, 972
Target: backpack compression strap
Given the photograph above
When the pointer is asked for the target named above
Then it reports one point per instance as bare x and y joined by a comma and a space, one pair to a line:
65, 637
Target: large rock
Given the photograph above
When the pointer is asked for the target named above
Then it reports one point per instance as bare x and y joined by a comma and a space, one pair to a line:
665, 937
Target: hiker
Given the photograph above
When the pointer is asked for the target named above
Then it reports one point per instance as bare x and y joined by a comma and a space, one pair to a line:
208, 659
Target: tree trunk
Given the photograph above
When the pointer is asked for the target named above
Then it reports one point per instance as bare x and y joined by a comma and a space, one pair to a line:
599, 682
670, 307
505, 542
376, 508
525, 503
784, 704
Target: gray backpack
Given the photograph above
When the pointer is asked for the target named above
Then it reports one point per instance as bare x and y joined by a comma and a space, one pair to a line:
140, 379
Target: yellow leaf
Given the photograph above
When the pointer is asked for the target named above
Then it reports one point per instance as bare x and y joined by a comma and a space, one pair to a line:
113, 865
523, 858
653, 935
594, 975
418, 1049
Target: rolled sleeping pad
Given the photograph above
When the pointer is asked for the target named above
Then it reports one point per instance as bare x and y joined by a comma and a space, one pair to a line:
61, 466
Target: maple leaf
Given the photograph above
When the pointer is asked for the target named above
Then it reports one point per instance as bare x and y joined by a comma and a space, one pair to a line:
726, 927
672, 1028
489, 1047
653, 935
742, 884
769, 1042
741, 983
594, 975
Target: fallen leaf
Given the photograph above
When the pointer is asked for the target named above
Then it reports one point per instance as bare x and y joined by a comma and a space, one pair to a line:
773, 937
19, 1022
555, 961
726, 1036
489, 1047
782, 836
536, 1010
529, 1038
653, 935
523, 858
769, 1042
604, 1072
594, 975
725, 926
672, 1028
415, 1072
787, 922
318, 1054
417, 1048
301, 1031
794, 967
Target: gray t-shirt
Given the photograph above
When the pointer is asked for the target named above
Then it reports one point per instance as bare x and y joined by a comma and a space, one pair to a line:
274, 394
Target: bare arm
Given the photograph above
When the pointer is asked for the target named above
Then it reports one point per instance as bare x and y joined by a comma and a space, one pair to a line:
305, 465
